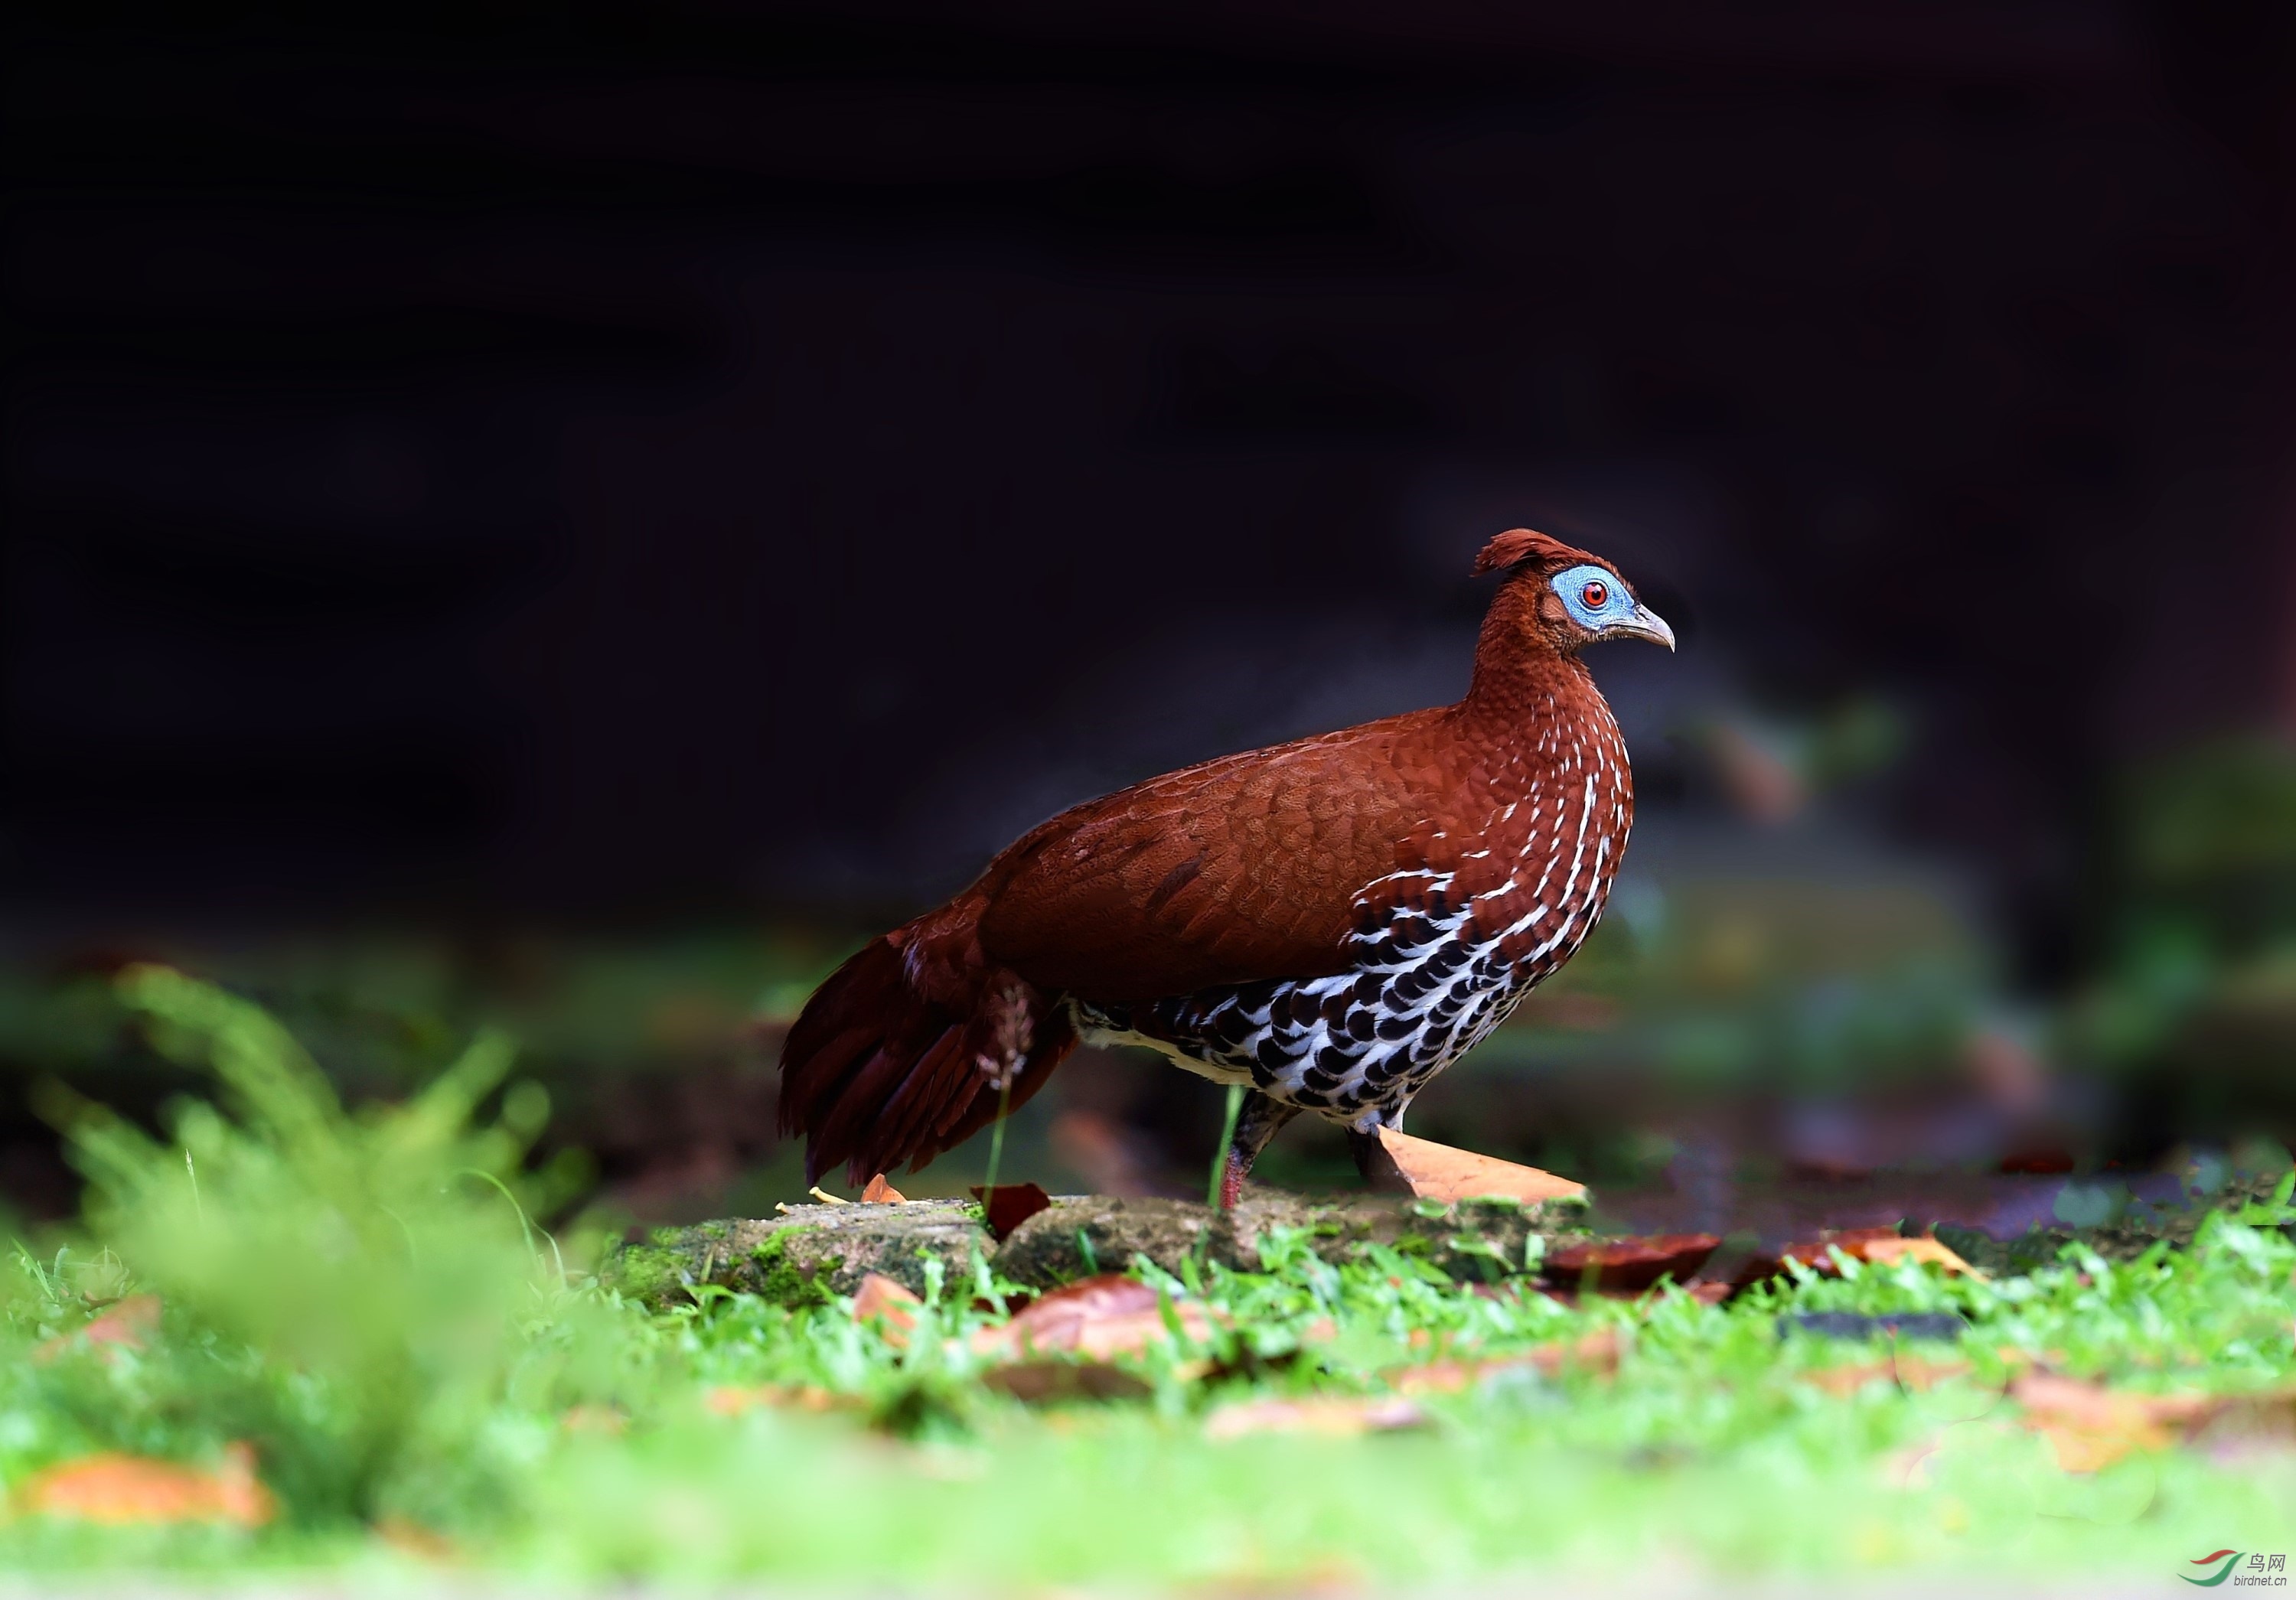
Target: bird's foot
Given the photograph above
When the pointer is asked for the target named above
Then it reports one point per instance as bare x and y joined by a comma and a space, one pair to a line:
1257, 1123
1378, 1167
1232, 1182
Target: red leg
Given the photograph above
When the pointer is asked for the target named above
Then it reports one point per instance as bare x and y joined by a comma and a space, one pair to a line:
1255, 1124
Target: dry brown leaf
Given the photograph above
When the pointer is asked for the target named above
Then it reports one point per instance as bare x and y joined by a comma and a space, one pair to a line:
1595, 1352
2084, 1450
410, 1538
1860, 1245
1101, 1316
881, 1192
883, 1300
1440, 1172
1130, 1335
2091, 1426
1630, 1263
128, 1322
1907, 1372
1328, 1578
741, 1399
880, 1295
1891, 1248
2243, 1422
119, 1489
1817, 1255
1007, 1206
125, 1326
2009, 1355
1328, 1415
1056, 1322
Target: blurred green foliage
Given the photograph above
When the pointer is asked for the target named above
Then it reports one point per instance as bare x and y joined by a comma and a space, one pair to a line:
352, 1280
2215, 827
2193, 987
1730, 988
380, 1011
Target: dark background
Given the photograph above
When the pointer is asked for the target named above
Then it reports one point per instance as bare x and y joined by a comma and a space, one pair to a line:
493, 468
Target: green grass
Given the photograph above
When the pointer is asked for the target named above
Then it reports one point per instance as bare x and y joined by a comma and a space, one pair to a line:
362, 1297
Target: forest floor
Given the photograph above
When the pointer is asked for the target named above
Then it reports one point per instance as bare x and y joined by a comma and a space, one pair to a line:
298, 1345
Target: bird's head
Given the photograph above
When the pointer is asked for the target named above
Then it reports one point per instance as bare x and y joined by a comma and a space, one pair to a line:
1570, 598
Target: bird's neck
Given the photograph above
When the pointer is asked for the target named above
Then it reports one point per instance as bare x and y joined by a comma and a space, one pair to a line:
1556, 687
1521, 679
1534, 720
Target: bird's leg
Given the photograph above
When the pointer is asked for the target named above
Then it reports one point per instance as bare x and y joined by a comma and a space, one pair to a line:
1256, 1124
1377, 1167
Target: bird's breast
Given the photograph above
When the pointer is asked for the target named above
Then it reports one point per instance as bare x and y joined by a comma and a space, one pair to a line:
1522, 884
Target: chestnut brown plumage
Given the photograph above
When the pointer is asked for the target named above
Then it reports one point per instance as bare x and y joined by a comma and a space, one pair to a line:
1332, 920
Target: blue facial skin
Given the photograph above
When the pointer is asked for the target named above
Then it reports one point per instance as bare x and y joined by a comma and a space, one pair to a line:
1617, 607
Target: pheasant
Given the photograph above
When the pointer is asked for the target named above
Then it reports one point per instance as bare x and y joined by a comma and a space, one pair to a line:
1330, 921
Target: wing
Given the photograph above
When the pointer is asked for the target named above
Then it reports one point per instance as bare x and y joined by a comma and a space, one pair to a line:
1237, 870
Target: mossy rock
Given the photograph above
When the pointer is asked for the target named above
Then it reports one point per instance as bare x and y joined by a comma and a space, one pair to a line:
804, 1255
1094, 1234
812, 1252
1078, 1235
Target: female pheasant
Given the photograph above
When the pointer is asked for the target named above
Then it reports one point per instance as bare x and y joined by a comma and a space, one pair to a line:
1332, 921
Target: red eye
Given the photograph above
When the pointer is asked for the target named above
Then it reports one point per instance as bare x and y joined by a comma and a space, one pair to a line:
1596, 595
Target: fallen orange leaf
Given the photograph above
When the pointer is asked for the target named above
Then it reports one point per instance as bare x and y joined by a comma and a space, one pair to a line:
410, 1538
1817, 1255
1908, 1372
118, 1490
1101, 1316
126, 1326
1328, 1415
881, 1192
1860, 1245
1595, 1352
1630, 1263
2091, 1426
1441, 1172
882, 1300
740, 1400
1891, 1248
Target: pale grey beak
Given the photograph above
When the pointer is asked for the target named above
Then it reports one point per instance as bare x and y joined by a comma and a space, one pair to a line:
1644, 624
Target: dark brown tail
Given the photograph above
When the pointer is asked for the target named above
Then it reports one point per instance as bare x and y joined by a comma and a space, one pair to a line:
875, 1072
